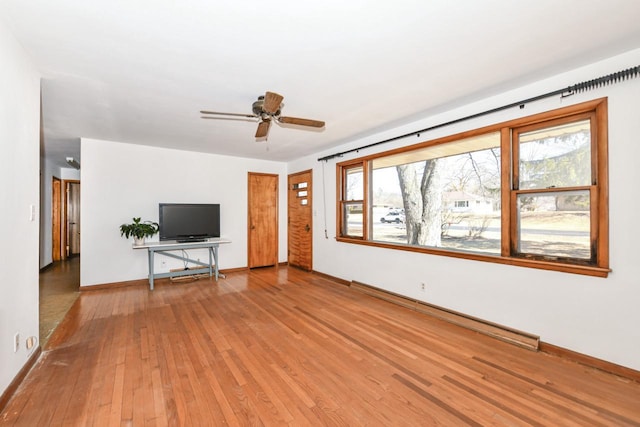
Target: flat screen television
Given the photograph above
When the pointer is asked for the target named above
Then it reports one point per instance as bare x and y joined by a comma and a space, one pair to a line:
189, 222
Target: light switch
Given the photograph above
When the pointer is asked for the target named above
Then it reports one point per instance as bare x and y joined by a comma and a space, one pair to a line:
32, 212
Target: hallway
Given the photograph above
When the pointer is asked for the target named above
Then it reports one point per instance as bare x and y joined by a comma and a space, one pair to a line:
59, 288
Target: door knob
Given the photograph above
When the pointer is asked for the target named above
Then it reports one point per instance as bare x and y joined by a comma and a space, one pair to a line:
307, 228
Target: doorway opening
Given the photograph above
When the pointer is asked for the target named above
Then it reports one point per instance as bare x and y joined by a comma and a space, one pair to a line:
72, 218
59, 282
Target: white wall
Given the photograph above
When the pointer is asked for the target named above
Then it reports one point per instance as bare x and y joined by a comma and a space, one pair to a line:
594, 316
19, 173
121, 181
69, 174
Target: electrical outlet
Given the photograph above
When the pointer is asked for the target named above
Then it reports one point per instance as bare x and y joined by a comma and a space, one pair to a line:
16, 342
31, 342
423, 287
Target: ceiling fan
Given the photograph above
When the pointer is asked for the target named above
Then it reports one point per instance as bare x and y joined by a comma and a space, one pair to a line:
266, 109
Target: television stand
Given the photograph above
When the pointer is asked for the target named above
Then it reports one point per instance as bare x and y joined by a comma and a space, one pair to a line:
166, 249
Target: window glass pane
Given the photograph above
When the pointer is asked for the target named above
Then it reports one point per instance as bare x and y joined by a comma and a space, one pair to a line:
352, 220
555, 224
556, 157
299, 185
354, 184
456, 205
387, 213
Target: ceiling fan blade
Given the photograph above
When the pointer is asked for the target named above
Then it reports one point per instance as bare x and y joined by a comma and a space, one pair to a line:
237, 119
263, 128
272, 102
228, 114
302, 122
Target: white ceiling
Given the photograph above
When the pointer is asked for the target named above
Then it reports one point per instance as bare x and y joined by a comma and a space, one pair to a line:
139, 71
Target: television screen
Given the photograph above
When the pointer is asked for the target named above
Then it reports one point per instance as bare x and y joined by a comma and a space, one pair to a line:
188, 222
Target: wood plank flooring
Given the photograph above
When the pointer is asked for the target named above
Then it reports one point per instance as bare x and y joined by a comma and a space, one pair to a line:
59, 289
279, 346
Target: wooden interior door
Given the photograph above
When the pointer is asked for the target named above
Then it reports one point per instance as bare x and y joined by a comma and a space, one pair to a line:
263, 220
300, 216
56, 219
72, 210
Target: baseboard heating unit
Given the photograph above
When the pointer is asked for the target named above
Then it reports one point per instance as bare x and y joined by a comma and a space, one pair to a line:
504, 333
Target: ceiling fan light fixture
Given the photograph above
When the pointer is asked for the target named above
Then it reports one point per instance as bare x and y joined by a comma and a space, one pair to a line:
256, 107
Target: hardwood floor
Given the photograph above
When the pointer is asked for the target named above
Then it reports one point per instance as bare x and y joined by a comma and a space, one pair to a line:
280, 346
59, 289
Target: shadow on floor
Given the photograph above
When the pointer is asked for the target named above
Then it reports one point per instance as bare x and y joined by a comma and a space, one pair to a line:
59, 289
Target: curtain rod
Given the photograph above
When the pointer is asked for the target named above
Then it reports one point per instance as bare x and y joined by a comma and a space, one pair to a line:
629, 73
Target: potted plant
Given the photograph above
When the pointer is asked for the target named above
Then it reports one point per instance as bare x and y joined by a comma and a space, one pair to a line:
139, 230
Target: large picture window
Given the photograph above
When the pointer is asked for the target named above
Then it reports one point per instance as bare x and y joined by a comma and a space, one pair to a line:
446, 196
530, 192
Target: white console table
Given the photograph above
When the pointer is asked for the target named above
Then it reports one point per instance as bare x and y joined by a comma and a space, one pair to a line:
166, 248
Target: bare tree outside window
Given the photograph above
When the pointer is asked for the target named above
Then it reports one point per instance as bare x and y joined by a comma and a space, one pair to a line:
451, 201
421, 191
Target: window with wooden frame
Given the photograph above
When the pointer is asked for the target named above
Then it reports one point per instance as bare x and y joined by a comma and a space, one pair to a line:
352, 200
531, 192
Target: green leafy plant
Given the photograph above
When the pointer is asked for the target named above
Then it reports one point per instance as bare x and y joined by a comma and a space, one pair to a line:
139, 229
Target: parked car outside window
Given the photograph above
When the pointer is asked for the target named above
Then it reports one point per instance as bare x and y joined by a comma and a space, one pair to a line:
396, 216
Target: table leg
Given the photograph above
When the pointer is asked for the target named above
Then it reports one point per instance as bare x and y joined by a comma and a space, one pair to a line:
215, 257
210, 261
151, 269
